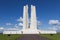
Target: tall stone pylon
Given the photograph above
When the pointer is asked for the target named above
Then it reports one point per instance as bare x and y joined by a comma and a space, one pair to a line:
33, 22
25, 17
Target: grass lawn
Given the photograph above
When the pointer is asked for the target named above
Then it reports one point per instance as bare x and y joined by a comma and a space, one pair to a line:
16, 36
51, 37
9, 37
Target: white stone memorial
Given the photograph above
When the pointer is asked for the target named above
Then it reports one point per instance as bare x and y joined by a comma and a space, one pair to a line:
33, 24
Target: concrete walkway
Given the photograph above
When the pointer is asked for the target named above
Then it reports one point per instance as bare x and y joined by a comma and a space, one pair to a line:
31, 37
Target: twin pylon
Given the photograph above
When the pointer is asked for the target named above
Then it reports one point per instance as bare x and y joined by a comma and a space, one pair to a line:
33, 20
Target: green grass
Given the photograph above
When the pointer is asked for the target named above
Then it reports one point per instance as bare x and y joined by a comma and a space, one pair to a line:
11, 37
51, 37
16, 36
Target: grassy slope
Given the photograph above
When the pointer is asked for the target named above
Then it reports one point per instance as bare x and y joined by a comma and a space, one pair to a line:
51, 37
11, 37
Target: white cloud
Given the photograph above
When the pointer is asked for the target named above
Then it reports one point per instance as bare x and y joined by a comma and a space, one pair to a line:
54, 22
20, 24
20, 19
1, 28
52, 28
11, 29
39, 23
8, 24
58, 24
16, 26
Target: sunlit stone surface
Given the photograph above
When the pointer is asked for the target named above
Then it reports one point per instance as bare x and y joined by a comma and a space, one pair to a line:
25, 17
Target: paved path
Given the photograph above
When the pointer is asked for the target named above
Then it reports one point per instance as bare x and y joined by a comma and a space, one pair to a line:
32, 37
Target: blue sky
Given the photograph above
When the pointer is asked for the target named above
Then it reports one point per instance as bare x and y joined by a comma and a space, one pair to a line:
11, 10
